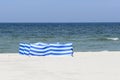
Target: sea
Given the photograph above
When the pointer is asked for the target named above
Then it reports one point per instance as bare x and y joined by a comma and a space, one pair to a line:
84, 36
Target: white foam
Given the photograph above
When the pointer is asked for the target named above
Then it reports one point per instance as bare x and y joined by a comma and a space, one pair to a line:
115, 39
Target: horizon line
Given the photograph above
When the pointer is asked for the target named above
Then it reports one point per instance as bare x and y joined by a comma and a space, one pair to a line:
64, 22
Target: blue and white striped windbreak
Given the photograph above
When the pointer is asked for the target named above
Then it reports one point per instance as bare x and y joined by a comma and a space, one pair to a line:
43, 49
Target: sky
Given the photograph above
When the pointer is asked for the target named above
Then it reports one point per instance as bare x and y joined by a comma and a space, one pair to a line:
59, 10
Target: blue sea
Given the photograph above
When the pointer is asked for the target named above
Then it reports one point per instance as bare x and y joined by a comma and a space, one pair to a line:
84, 36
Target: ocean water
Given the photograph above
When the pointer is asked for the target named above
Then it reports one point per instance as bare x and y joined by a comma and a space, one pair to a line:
84, 36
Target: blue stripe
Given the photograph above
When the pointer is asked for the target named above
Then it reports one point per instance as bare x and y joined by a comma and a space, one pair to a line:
51, 54
46, 51
40, 55
24, 50
61, 54
21, 52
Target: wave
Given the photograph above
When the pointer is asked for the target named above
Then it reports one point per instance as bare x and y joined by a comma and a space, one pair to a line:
114, 39
108, 39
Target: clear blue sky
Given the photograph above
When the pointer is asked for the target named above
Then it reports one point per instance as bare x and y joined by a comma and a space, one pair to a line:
59, 10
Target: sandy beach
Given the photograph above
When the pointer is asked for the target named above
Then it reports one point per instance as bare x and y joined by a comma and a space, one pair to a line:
83, 66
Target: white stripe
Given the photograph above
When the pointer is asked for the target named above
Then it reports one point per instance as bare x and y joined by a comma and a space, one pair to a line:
67, 44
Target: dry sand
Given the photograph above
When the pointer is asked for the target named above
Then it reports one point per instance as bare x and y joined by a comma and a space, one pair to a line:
83, 66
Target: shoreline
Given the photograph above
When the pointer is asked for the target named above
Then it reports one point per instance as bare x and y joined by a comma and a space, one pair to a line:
75, 53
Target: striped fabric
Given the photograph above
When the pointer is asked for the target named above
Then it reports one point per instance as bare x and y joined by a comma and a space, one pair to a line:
43, 49
24, 49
